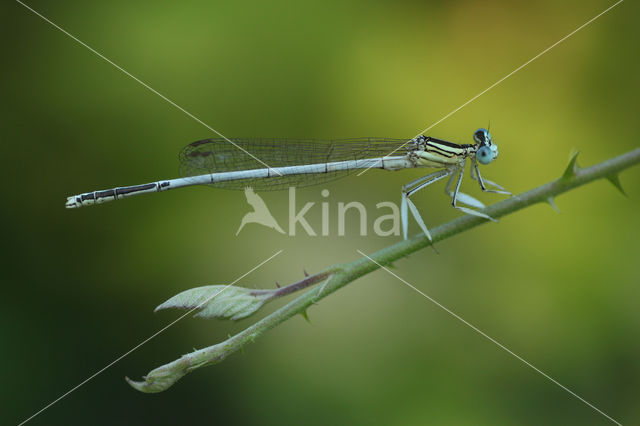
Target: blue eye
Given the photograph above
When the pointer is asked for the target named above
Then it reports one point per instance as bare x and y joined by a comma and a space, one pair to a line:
484, 155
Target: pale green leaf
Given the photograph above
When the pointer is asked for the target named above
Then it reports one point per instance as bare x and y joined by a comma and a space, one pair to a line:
219, 301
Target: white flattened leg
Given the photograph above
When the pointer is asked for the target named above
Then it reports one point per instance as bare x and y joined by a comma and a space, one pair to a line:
418, 218
469, 200
475, 175
462, 197
455, 195
475, 213
404, 218
407, 191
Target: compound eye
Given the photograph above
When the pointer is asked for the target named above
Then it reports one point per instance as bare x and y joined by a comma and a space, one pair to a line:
484, 155
480, 136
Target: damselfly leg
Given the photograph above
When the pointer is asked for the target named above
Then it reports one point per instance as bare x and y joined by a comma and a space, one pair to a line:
460, 196
411, 188
455, 174
454, 197
475, 175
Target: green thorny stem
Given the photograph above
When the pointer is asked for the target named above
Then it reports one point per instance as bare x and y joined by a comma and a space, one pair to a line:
340, 275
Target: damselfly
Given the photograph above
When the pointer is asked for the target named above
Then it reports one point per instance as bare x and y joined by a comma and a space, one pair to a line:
303, 162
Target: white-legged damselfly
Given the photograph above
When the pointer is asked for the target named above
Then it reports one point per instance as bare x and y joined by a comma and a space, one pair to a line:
304, 162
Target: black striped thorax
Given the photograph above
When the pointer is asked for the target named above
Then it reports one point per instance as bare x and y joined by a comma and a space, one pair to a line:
441, 147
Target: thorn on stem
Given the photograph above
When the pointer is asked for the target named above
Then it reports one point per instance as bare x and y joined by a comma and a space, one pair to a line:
572, 167
277, 284
615, 181
305, 273
552, 203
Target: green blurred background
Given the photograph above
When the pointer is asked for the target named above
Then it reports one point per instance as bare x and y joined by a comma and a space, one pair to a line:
79, 286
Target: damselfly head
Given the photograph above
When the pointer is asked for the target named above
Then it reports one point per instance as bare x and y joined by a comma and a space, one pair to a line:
487, 151
482, 137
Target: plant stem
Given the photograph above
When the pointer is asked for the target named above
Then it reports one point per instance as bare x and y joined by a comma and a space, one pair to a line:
342, 274
297, 286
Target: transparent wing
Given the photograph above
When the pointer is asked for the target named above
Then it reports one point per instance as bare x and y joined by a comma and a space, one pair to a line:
218, 155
